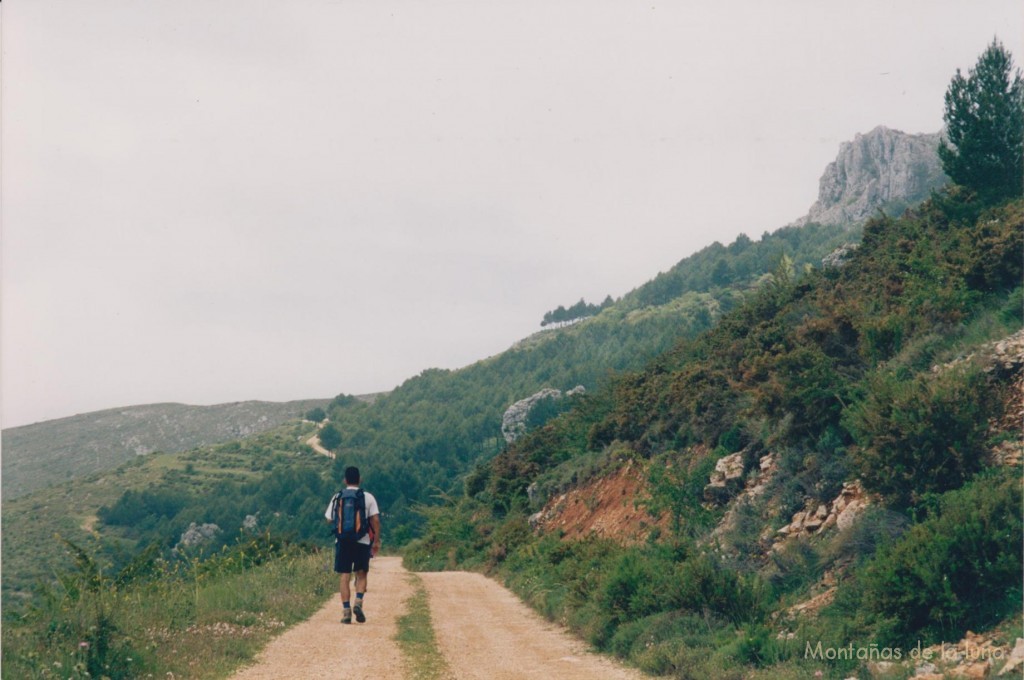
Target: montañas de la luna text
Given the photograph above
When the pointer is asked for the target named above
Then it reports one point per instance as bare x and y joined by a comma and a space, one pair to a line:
873, 652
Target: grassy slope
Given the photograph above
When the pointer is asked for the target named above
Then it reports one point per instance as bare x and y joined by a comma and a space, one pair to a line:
41, 454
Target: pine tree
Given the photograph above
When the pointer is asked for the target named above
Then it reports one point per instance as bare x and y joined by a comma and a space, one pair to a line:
984, 118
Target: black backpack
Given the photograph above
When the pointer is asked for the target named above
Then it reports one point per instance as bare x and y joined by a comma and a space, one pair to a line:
350, 523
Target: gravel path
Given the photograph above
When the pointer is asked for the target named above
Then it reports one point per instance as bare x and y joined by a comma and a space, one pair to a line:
486, 633
322, 647
483, 631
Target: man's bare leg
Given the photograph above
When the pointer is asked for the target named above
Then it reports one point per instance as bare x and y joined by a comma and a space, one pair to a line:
346, 593
360, 590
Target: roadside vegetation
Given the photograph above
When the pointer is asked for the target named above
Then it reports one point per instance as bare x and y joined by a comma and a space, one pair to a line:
416, 638
188, 617
872, 370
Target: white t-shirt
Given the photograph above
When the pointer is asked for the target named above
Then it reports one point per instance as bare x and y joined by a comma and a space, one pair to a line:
371, 510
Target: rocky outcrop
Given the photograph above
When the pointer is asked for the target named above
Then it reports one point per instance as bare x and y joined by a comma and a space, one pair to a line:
513, 422
197, 535
839, 256
975, 656
1002, 358
1006, 356
729, 476
754, 485
839, 512
726, 479
881, 168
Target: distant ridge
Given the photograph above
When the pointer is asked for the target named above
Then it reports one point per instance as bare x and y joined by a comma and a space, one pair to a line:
41, 454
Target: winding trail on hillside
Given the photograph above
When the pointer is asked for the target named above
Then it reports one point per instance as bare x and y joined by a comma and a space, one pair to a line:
483, 631
314, 441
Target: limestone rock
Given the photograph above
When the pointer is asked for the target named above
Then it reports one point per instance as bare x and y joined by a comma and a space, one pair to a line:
839, 512
839, 256
974, 671
880, 668
513, 422
726, 479
1016, 658
882, 167
197, 534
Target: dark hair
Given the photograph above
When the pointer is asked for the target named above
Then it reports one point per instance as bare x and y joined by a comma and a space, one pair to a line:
351, 475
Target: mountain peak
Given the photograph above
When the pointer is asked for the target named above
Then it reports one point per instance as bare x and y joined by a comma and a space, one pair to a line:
883, 168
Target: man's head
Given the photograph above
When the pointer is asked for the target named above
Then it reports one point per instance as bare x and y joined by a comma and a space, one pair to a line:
352, 475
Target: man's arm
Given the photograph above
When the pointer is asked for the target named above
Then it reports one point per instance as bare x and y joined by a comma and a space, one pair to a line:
375, 525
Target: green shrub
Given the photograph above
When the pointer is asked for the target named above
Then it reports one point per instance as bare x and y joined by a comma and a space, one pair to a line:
792, 567
143, 622
921, 435
638, 585
663, 643
958, 569
702, 584
330, 438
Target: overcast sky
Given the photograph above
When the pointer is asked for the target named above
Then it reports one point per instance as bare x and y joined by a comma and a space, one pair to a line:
232, 200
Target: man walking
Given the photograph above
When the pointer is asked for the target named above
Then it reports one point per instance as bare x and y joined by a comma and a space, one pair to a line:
356, 522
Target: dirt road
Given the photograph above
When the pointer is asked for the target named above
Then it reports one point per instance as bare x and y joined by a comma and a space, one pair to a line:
482, 630
324, 648
314, 441
486, 633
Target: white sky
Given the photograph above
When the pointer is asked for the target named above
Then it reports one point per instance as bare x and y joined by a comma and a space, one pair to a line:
229, 200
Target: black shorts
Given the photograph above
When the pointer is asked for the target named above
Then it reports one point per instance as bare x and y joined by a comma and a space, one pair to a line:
349, 557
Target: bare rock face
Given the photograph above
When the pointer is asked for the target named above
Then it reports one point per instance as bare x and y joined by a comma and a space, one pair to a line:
841, 513
513, 422
839, 256
729, 476
881, 168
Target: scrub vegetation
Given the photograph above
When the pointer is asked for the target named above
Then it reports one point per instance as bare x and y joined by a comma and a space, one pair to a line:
807, 378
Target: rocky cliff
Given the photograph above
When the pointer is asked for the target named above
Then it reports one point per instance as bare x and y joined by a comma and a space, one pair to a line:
883, 169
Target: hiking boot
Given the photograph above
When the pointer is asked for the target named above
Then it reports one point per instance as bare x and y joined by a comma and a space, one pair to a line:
347, 616
360, 617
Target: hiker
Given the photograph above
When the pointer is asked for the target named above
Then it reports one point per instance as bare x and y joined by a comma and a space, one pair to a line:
356, 522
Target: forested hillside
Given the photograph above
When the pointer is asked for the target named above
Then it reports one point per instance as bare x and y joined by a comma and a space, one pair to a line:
419, 440
415, 444
875, 383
